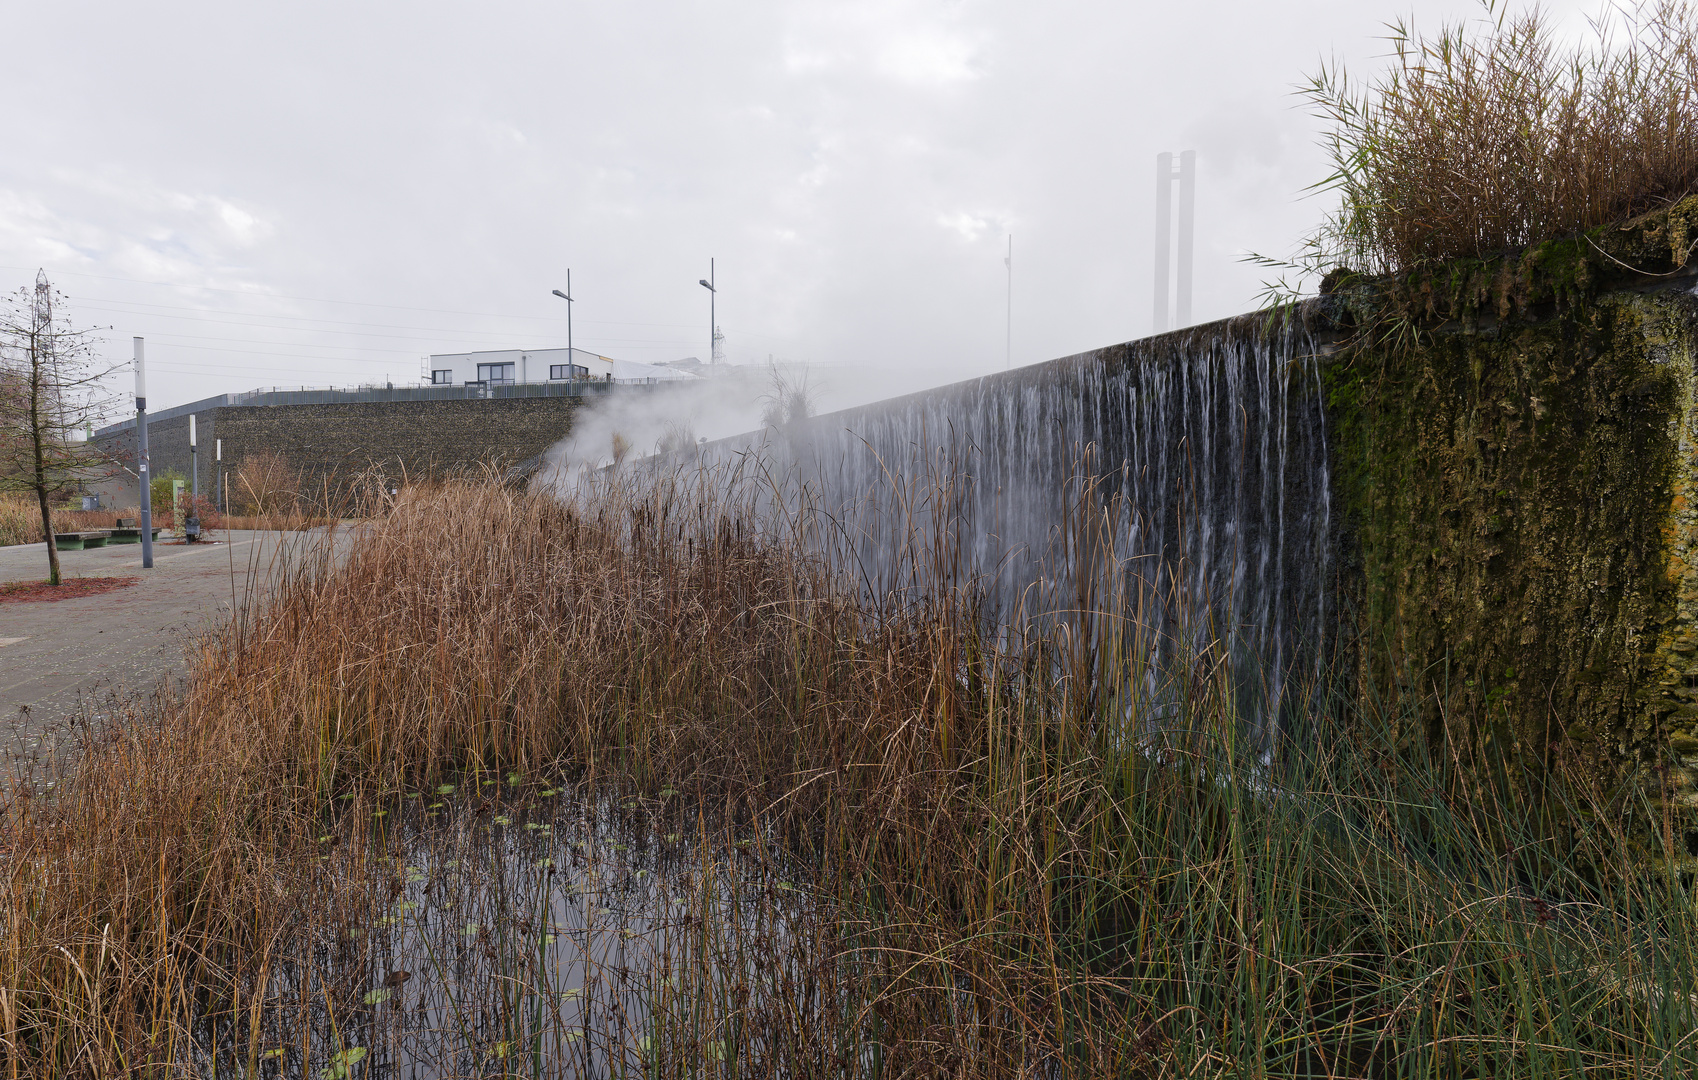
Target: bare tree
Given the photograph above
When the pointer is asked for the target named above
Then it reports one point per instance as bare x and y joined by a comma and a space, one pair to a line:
51, 394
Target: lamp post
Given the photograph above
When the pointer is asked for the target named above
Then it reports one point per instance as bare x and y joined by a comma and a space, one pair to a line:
571, 357
713, 320
141, 452
191, 524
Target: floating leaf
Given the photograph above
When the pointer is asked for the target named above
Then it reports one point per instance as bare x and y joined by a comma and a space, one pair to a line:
504, 820
378, 997
379, 813
445, 789
550, 793
275, 1052
673, 838
503, 1048
513, 779
667, 793
544, 864
435, 806
342, 1064
473, 929
415, 875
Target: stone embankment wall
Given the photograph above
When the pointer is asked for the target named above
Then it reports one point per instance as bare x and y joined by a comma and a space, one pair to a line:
333, 444
1515, 464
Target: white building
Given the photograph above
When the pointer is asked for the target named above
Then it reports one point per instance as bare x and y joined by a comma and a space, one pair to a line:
509, 367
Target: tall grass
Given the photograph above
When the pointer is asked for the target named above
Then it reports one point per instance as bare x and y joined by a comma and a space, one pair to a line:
20, 520
1492, 136
1032, 858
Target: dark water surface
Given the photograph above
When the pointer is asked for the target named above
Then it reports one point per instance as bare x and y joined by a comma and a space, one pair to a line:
541, 933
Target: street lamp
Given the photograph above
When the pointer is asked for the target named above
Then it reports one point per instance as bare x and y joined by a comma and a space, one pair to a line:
713, 324
571, 357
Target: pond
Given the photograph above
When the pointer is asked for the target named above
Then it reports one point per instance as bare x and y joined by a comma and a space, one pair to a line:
499, 928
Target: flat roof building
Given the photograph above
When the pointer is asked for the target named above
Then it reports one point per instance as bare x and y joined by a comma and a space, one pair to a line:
513, 367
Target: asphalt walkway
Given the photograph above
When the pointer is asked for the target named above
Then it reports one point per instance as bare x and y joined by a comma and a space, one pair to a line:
64, 659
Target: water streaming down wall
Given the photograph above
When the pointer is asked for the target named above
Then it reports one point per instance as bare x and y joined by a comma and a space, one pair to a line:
1184, 476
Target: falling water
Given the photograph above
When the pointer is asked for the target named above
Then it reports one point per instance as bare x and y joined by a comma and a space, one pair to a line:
1190, 468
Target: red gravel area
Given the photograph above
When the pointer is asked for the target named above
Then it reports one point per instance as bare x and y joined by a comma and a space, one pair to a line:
23, 592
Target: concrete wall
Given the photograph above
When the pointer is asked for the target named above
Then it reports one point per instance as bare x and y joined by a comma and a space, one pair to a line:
1515, 471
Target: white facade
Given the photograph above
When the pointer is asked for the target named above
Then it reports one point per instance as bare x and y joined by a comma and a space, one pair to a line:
512, 366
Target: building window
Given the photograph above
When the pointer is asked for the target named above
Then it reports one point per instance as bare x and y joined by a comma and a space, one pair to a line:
496, 374
444, 377
567, 371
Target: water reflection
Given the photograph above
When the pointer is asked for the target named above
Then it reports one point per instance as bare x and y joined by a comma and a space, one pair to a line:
549, 935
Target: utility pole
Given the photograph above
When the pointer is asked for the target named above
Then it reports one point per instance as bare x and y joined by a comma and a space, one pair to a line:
708, 283
1008, 360
141, 452
218, 484
1186, 174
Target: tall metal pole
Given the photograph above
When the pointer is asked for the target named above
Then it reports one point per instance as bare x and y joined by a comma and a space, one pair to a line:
218, 482
1187, 208
571, 357
141, 451
1008, 360
709, 283
1164, 216
192, 518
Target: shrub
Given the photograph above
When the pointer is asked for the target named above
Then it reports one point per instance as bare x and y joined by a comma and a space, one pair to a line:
264, 484
1483, 139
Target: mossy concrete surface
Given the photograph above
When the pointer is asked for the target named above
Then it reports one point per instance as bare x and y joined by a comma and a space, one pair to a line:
1516, 477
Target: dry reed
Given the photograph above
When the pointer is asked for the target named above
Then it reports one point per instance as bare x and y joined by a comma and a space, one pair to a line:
1483, 139
1042, 861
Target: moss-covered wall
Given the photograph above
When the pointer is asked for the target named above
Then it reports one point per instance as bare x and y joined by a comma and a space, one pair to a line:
1516, 472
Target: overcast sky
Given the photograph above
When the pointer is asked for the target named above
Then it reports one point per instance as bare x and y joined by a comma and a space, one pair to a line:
323, 193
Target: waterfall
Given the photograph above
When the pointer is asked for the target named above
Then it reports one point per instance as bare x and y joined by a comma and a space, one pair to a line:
1184, 476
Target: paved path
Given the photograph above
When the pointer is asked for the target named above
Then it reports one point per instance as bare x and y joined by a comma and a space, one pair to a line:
65, 658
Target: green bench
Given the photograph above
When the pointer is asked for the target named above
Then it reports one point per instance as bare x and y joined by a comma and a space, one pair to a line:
76, 541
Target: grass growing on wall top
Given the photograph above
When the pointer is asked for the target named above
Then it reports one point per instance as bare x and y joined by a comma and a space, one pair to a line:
1491, 136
